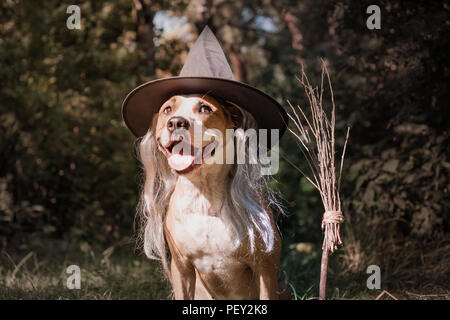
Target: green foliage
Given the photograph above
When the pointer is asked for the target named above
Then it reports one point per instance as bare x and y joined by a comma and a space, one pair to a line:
400, 141
67, 164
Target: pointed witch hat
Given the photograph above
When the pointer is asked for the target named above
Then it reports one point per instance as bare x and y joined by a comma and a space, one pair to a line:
206, 70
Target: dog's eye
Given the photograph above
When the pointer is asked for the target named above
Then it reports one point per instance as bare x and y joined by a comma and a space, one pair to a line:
204, 109
167, 109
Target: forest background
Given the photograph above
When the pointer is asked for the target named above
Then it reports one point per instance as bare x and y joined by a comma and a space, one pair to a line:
69, 180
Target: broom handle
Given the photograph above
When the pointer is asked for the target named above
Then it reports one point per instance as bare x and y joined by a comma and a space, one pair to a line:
323, 275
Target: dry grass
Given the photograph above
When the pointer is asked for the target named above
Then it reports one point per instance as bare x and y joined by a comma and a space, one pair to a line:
414, 273
425, 266
105, 274
410, 268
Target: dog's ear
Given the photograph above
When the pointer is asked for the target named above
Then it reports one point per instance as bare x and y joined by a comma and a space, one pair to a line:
236, 115
152, 129
153, 123
232, 111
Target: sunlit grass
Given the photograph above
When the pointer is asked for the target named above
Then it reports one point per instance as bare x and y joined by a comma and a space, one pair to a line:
118, 272
121, 275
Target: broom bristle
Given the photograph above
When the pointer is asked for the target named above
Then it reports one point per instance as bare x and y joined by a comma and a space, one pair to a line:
316, 141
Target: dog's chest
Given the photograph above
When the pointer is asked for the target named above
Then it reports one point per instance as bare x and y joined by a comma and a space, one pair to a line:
199, 234
207, 241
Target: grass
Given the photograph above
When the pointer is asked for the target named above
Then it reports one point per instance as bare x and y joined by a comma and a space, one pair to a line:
303, 271
411, 272
117, 272
114, 273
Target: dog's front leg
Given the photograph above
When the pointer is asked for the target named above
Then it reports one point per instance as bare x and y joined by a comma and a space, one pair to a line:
182, 276
268, 281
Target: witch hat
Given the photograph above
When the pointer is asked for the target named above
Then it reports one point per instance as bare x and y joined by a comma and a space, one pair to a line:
206, 70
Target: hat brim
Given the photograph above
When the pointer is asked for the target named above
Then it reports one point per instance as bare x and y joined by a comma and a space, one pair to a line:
144, 102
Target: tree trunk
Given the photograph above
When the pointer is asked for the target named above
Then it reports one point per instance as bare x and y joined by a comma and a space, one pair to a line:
292, 21
293, 24
144, 32
238, 65
204, 15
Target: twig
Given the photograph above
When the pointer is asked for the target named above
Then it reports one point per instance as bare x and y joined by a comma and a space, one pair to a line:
383, 293
18, 266
21, 263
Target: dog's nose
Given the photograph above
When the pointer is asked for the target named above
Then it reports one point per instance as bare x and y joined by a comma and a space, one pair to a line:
177, 123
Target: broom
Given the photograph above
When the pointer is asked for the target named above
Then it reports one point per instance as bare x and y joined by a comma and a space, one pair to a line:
316, 140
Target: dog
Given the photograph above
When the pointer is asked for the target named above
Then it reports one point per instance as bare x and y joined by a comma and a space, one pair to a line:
207, 221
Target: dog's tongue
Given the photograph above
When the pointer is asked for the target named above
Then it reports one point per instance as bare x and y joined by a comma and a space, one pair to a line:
180, 162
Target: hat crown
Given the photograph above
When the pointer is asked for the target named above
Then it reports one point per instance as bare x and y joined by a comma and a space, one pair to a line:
206, 58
